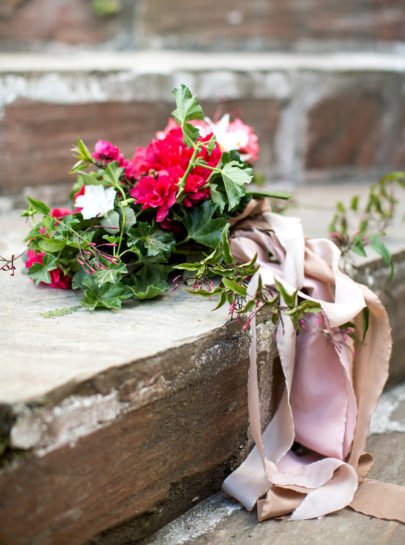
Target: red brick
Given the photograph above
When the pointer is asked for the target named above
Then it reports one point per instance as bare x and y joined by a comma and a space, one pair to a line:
35, 137
344, 130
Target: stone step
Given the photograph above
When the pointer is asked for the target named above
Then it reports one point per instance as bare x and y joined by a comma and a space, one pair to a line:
219, 520
204, 24
114, 423
319, 117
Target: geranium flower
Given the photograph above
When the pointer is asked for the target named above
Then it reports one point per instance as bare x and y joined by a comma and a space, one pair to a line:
157, 193
234, 135
58, 278
95, 201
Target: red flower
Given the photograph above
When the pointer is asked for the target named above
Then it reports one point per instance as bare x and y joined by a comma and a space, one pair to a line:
58, 213
157, 193
58, 278
195, 190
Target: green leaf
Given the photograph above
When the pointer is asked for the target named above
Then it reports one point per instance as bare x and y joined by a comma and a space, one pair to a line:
234, 286
354, 204
39, 272
151, 240
271, 194
218, 197
111, 222
112, 174
200, 225
358, 248
149, 282
187, 107
222, 300
113, 274
366, 320
289, 299
381, 249
130, 217
107, 296
60, 312
82, 151
235, 178
51, 245
38, 206
228, 257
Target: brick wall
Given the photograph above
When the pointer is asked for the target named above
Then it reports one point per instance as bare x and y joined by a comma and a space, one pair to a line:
203, 24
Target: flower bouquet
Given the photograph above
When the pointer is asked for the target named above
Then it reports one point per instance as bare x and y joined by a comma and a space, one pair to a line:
182, 204
136, 221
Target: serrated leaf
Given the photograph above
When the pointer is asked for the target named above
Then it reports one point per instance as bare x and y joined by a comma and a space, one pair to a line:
112, 275
235, 178
187, 107
149, 282
151, 240
38, 206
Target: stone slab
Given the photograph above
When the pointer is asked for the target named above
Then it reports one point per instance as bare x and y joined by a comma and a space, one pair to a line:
220, 520
122, 406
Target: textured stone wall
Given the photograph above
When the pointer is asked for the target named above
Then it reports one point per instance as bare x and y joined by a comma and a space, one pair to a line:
203, 24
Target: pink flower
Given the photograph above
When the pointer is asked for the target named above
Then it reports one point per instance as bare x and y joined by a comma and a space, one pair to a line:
235, 135
157, 193
195, 190
58, 278
105, 151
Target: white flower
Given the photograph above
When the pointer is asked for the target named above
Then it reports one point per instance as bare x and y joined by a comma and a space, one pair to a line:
96, 201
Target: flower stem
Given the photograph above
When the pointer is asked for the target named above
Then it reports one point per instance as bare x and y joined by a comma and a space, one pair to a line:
185, 175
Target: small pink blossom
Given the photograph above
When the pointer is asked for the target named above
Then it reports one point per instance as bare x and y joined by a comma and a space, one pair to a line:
105, 151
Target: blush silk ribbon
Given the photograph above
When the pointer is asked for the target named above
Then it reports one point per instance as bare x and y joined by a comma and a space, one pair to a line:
332, 384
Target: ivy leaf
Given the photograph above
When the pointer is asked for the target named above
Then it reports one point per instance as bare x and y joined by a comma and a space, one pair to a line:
38, 206
111, 275
235, 178
107, 296
201, 227
152, 240
149, 282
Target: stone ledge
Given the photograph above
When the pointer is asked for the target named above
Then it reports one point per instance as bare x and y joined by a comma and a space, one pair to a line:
117, 428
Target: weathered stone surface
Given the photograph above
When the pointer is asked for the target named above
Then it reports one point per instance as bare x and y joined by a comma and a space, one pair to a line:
219, 520
121, 428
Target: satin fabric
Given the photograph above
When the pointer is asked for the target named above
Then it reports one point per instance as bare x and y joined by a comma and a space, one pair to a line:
331, 384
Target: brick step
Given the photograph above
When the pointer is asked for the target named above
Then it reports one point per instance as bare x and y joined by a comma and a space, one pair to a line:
116, 423
204, 24
319, 117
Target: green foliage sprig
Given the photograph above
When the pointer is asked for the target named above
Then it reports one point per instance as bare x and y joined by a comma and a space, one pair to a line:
374, 216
